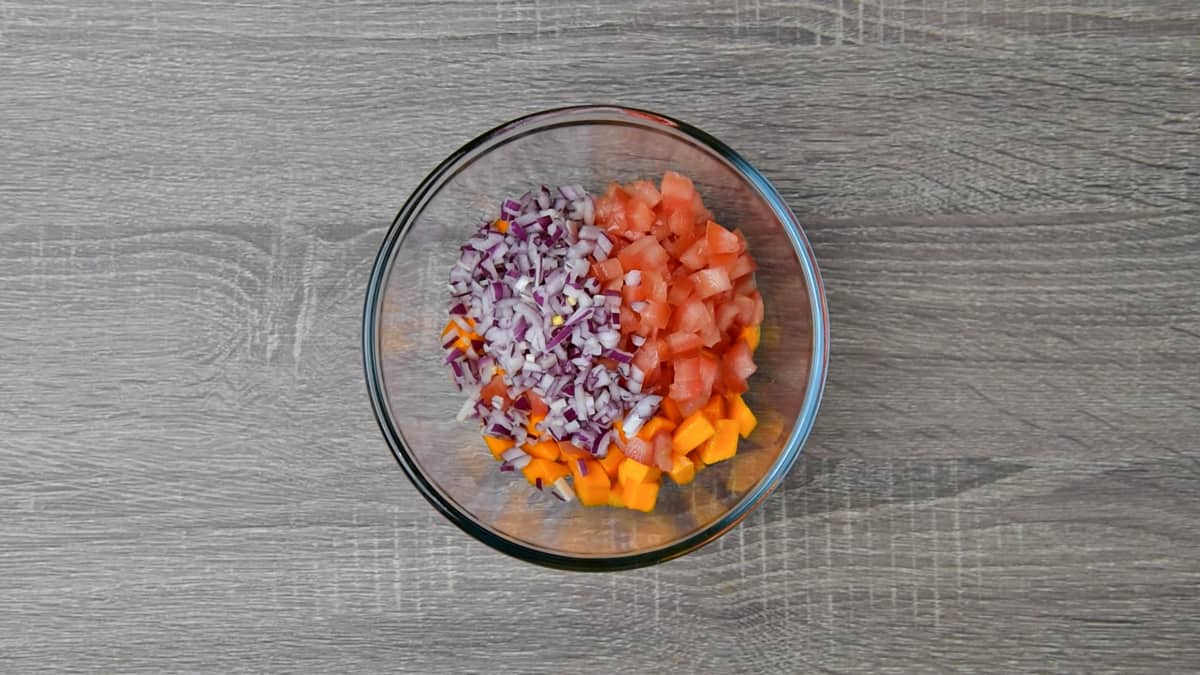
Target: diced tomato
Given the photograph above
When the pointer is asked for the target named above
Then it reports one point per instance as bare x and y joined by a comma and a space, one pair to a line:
696, 296
610, 208
745, 306
683, 344
659, 288
721, 240
709, 282
662, 451
645, 191
723, 261
679, 290
726, 315
744, 286
639, 216
682, 223
677, 190
742, 266
661, 230
738, 363
708, 368
643, 254
757, 317
640, 451
691, 405
646, 359
656, 314
691, 316
629, 320
607, 270
696, 256
687, 384
638, 293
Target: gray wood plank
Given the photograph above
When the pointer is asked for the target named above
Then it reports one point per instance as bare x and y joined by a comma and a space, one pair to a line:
1002, 196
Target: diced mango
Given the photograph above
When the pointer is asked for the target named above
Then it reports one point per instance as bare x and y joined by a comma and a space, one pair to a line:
498, 446
683, 471
616, 497
572, 451
655, 425
671, 410
577, 467
593, 494
612, 461
695, 457
691, 433
752, 335
715, 408
544, 469
591, 483
740, 413
632, 471
640, 496
531, 425
501, 225
547, 449
723, 443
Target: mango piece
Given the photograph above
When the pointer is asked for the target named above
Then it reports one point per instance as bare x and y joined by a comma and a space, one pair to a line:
752, 335
531, 426
545, 449
544, 469
498, 446
723, 443
632, 471
655, 425
591, 483
715, 408
691, 433
671, 410
501, 225
740, 412
683, 471
612, 461
571, 451
640, 496
616, 497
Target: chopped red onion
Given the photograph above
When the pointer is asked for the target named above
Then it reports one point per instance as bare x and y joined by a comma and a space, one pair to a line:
530, 295
618, 355
563, 490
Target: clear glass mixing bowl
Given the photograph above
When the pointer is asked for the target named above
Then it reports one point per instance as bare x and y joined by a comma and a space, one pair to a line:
415, 400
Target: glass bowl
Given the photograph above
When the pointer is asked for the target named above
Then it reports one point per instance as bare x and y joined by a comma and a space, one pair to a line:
416, 401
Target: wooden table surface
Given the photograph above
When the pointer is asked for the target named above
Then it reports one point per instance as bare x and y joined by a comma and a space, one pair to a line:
1003, 197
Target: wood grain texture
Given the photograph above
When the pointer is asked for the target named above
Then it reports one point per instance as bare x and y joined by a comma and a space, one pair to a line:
1002, 195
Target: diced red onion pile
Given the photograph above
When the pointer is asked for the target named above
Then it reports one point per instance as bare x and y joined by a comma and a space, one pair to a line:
546, 323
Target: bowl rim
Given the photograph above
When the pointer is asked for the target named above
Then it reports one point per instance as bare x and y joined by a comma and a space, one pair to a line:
814, 388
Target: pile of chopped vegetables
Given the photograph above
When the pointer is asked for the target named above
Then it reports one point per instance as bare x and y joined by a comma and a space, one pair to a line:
606, 340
